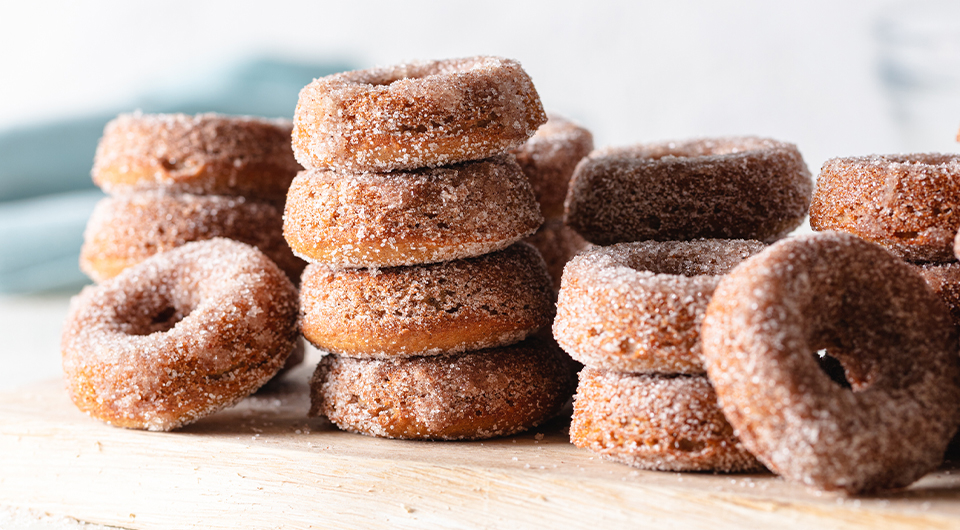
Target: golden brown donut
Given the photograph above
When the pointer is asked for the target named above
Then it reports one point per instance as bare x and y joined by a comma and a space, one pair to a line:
657, 422
548, 159
407, 218
871, 312
179, 336
909, 204
637, 307
558, 244
460, 305
203, 154
127, 229
421, 114
465, 396
944, 279
728, 188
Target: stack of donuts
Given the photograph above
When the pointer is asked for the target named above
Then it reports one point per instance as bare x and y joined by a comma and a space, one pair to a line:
677, 216
410, 212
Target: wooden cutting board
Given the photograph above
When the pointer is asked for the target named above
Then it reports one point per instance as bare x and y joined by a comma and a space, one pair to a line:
263, 464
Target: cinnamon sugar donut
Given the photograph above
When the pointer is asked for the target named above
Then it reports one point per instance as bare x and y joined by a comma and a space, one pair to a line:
460, 305
474, 395
657, 422
179, 336
203, 154
548, 159
637, 307
421, 114
558, 244
909, 204
730, 188
944, 279
871, 312
407, 218
127, 229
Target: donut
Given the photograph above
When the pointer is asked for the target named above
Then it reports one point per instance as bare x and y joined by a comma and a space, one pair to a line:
908, 204
727, 188
127, 229
548, 159
460, 305
890, 422
944, 279
179, 336
558, 244
657, 422
466, 396
637, 307
420, 114
407, 218
202, 154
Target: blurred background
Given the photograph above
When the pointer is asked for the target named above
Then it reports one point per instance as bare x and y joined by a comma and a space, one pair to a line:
835, 77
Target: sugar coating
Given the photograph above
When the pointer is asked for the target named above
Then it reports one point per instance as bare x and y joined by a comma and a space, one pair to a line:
654, 421
549, 157
465, 396
492, 300
868, 310
944, 279
909, 204
179, 336
202, 154
409, 217
729, 188
127, 229
558, 244
421, 114
637, 307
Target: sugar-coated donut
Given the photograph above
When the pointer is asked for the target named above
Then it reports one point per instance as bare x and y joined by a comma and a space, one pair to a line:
127, 229
202, 154
637, 307
558, 244
655, 421
548, 159
729, 188
871, 312
944, 279
179, 336
421, 114
407, 218
460, 305
473, 395
909, 204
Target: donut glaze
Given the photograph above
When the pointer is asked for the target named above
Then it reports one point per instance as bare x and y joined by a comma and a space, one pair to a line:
908, 204
179, 336
474, 395
871, 312
657, 422
125, 230
412, 217
202, 154
637, 307
727, 188
421, 114
460, 305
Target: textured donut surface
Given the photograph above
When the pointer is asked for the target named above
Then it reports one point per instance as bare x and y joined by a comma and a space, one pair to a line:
727, 188
179, 336
558, 244
409, 217
460, 305
421, 114
473, 395
202, 154
637, 307
891, 421
944, 279
655, 421
909, 204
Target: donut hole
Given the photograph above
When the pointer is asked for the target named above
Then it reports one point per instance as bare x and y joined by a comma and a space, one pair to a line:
156, 311
831, 366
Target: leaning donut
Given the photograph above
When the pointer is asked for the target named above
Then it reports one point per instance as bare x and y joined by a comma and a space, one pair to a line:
727, 188
202, 154
179, 336
871, 312
637, 307
421, 114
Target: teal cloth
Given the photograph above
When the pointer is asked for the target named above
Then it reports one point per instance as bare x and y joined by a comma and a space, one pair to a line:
46, 194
